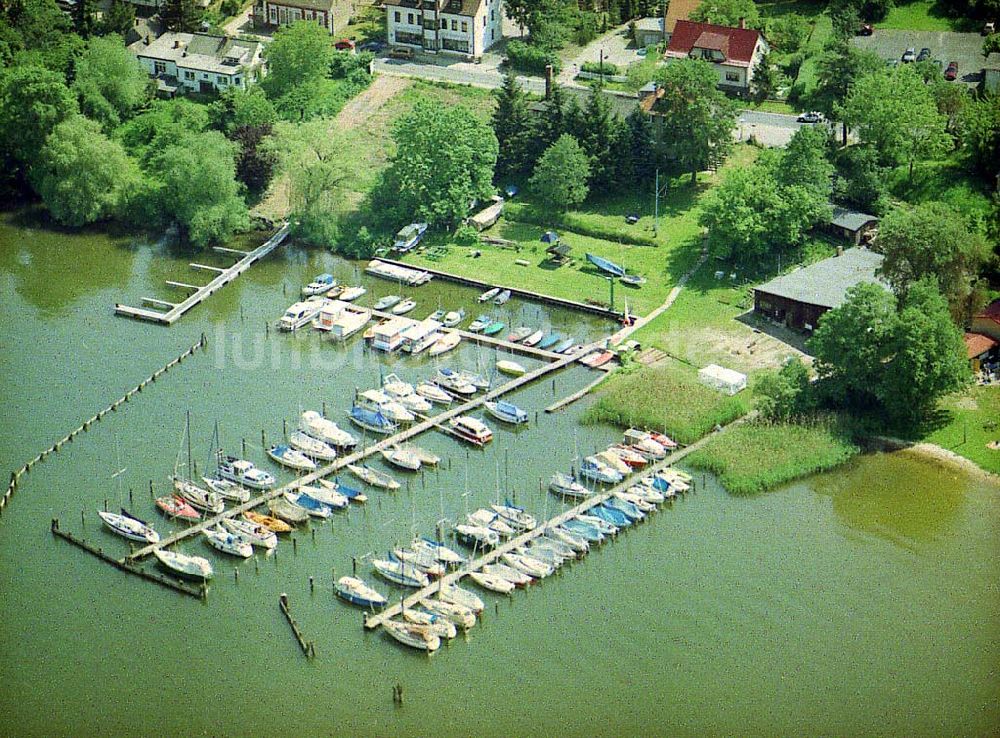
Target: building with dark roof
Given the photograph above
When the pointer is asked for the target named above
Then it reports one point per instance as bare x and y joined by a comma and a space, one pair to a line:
856, 226
736, 52
800, 298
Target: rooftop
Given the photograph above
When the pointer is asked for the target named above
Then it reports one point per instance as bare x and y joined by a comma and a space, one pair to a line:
991, 312
826, 282
976, 344
452, 7
201, 51
738, 44
649, 24
851, 219
679, 10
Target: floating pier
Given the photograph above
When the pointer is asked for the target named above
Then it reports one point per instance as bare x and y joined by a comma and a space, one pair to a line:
569, 399
201, 293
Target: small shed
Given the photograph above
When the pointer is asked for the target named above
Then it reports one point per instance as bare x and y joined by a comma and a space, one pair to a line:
980, 349
558, 252
649, 31
725, 380
853, 225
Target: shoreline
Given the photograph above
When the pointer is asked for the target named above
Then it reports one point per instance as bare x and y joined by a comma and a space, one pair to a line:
937, 454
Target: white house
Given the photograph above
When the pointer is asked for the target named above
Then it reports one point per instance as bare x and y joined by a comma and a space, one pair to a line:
463, 27
735, 52
199, 62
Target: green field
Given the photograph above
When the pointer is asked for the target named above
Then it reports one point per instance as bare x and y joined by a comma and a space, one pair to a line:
754, 457
946, 180
924, 15
806, 80
968, 421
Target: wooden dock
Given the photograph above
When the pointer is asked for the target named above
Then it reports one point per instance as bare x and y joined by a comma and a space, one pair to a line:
200, 293
414, 430
569, 399
480, 340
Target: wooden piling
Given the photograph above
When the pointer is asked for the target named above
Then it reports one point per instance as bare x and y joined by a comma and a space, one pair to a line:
308, 649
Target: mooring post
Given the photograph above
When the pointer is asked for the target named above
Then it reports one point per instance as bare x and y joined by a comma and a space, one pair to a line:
312, 586
295, 546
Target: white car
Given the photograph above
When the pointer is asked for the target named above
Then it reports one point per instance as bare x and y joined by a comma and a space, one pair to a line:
811, 117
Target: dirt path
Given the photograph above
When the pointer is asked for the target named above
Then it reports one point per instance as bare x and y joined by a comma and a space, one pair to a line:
353, 115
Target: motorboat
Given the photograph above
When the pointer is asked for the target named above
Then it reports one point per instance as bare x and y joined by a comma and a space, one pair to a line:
492, 582
549, 340
334, 292
244, 472
527, 564
563, 345
355, 591
515, 516
445, 343
534, 339
311, 447
352, 293
311, 505
489, 294
322, 429
506, 411
512, 575
227, 489
565, 485
519, 334
286, 510
434, 393
129, 527
493, 328
402, 458
476, 379
596, 470
506, 366
401, 573
290, 457
189, 567
479, 324
254, 533
299, 314
668, 443
459, 596
331, 496
489, 519
201, 499
453, 318
427, 564
477, 536
502, 298
404, 307
373, 421
271, 523
387, 302
584, 530
471, 430
461, 616
174, 506
438, 551
374, 477
378, 401
228, 543
409, 236
439, 626
645, 444
395, 387
319, 286
414, 636
453, 382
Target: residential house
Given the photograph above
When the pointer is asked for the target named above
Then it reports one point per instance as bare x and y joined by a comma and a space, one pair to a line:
981, 351
851, 224
463, 27
735, 52
988, 321
648, 32
800, 298
333, 15
200, 62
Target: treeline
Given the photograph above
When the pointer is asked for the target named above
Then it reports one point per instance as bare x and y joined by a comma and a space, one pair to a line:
80, 126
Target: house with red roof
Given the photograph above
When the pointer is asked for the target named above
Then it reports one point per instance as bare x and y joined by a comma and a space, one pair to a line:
735, 52
987, 322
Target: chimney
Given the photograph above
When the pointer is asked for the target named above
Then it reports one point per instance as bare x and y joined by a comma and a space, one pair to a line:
137, 22
840, 249
146, 40
742, 22
177, 44
549, 81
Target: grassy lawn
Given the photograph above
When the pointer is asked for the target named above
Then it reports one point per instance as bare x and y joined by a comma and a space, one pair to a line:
684, 408
368, 24
970, 420
947, 180
925, 15
806, 80
774, 106
755, 457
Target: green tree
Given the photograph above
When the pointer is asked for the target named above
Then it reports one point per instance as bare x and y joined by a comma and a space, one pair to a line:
513, 128
788, 33
551, 124
194, 186
862, 181
238, 107
633, 152
837, 69
561, 175
33, 101
727, 13
766, 79
740, 213
84, 14
932, 240
991, 44
119, 18
180, 15
37, 33
160, 126
698, 119
444, 161
82, 176
783, 394
980, 133
110, 82
598, 130
804, 163
299, 54
895, 112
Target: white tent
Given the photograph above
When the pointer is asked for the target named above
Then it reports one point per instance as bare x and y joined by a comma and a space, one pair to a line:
722, 379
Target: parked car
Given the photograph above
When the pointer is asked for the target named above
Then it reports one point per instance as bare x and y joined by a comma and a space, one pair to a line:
924, 54
401, 52
810, 117
345, 44
951, 73
375, 47
989, 27
867, 29
910, 55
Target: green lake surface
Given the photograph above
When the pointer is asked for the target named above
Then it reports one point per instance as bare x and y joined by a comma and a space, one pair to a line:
860, 602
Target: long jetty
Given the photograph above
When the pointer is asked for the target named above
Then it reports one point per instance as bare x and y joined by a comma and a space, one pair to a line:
433, 422
376, 620
201, 293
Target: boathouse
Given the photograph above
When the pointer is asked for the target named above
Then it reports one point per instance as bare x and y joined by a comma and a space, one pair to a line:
853, 225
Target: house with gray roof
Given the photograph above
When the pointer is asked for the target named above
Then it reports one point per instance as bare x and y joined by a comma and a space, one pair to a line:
853, 225
199, 62
798, 299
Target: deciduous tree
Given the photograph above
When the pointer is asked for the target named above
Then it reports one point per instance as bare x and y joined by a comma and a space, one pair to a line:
299, 54
180, 15
33, 101
561, 175
727, 13
110, 82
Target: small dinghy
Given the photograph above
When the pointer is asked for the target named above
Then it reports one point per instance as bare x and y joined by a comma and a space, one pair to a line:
228, 543
506, 411
597, 359
492, 582
129, 527
373, 477
512, 575
414, 636
564, 345
227, 489
435, 624
189, 567
477, 536
271, 523
325, 430
355, 591
387, 302
404, 307
534, 339
633, 280
399, 572
489, 294
493, 328
515, 516
176, 507
287, 511
550, 340
446, 343
290, 457
461, 616
311, 447
311, 505
352, 293
459, 596
564, 485
519, 334
438, 551
254, 533
506, 366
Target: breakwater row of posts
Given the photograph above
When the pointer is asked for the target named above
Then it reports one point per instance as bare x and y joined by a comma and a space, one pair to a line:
26, 468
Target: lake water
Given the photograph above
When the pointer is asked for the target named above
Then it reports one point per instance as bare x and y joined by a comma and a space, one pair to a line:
855, 603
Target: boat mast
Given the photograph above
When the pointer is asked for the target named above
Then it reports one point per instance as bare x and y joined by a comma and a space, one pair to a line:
188, 433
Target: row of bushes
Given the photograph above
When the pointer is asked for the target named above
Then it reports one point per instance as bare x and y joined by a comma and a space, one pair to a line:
598, 68
531, 59
579, 223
